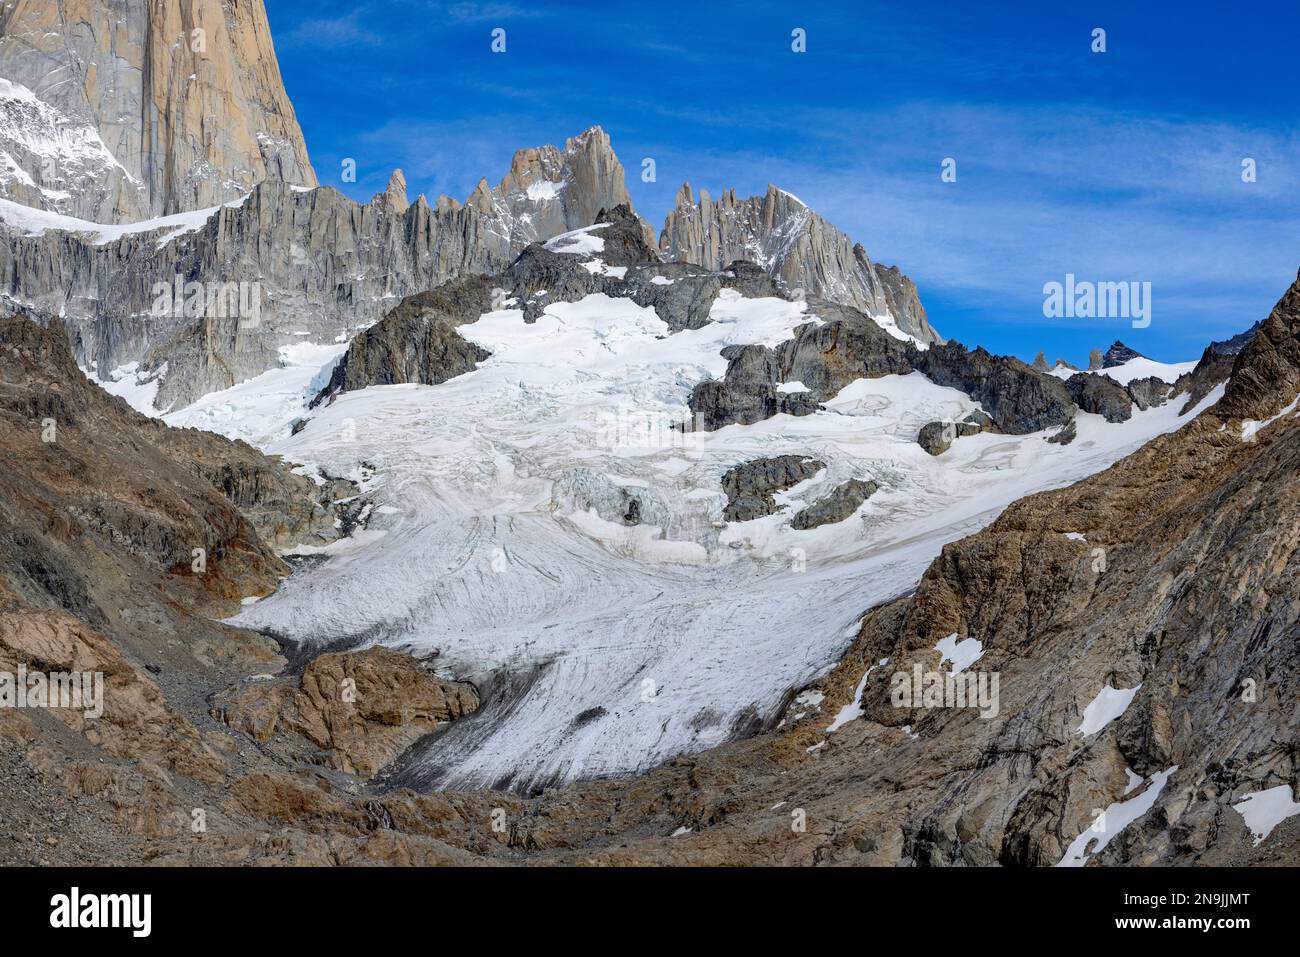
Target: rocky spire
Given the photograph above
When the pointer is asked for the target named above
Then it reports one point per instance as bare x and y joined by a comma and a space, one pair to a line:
394, 198
549, 190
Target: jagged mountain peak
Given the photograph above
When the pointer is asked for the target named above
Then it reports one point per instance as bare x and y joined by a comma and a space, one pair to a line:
393, 198
1118, 354
788, 239
1266, 372
550, 190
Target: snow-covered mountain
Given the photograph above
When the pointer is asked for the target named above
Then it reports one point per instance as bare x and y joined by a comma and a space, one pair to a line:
552, 522
324, 266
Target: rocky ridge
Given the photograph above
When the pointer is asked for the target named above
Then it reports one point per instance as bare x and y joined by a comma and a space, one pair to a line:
791, 242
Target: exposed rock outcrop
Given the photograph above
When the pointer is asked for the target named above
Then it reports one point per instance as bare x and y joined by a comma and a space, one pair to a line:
1018, 399
417, 341
750, 485
1066, 434
1213, 368
748, 393
937, 437
363, 709
1149, 392
843, 500
76, 518
1118, 354
838, 346
788, 240
1266, 373
1100, 394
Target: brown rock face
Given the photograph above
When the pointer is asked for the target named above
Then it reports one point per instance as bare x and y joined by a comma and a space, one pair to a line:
177, 105
1266, 374
364, 708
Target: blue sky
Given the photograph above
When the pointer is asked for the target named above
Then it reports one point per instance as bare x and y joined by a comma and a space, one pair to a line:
1115, 166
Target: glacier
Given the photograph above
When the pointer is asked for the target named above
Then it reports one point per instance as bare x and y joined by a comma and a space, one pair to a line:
604, 648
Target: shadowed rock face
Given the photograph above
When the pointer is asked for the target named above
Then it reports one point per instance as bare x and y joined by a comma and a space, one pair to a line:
1067, 434
750, 486
1100, 394
1118, 354
1214, 367
842, 502
748, 393
824, 355
937, 437
417, 341
1149, 392
1018, 399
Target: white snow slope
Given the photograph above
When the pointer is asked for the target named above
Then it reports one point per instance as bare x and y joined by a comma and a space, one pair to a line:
489, 548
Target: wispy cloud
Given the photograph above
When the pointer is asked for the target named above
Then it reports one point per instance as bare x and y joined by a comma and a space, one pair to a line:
334, 33
483, 12
1040, 193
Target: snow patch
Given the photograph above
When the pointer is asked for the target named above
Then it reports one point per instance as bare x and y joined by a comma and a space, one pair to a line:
581, 242
1113, 820
962, 654
1264, 810
853, 710
1109, 704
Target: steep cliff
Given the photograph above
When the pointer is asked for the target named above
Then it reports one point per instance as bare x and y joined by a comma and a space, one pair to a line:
118, 110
